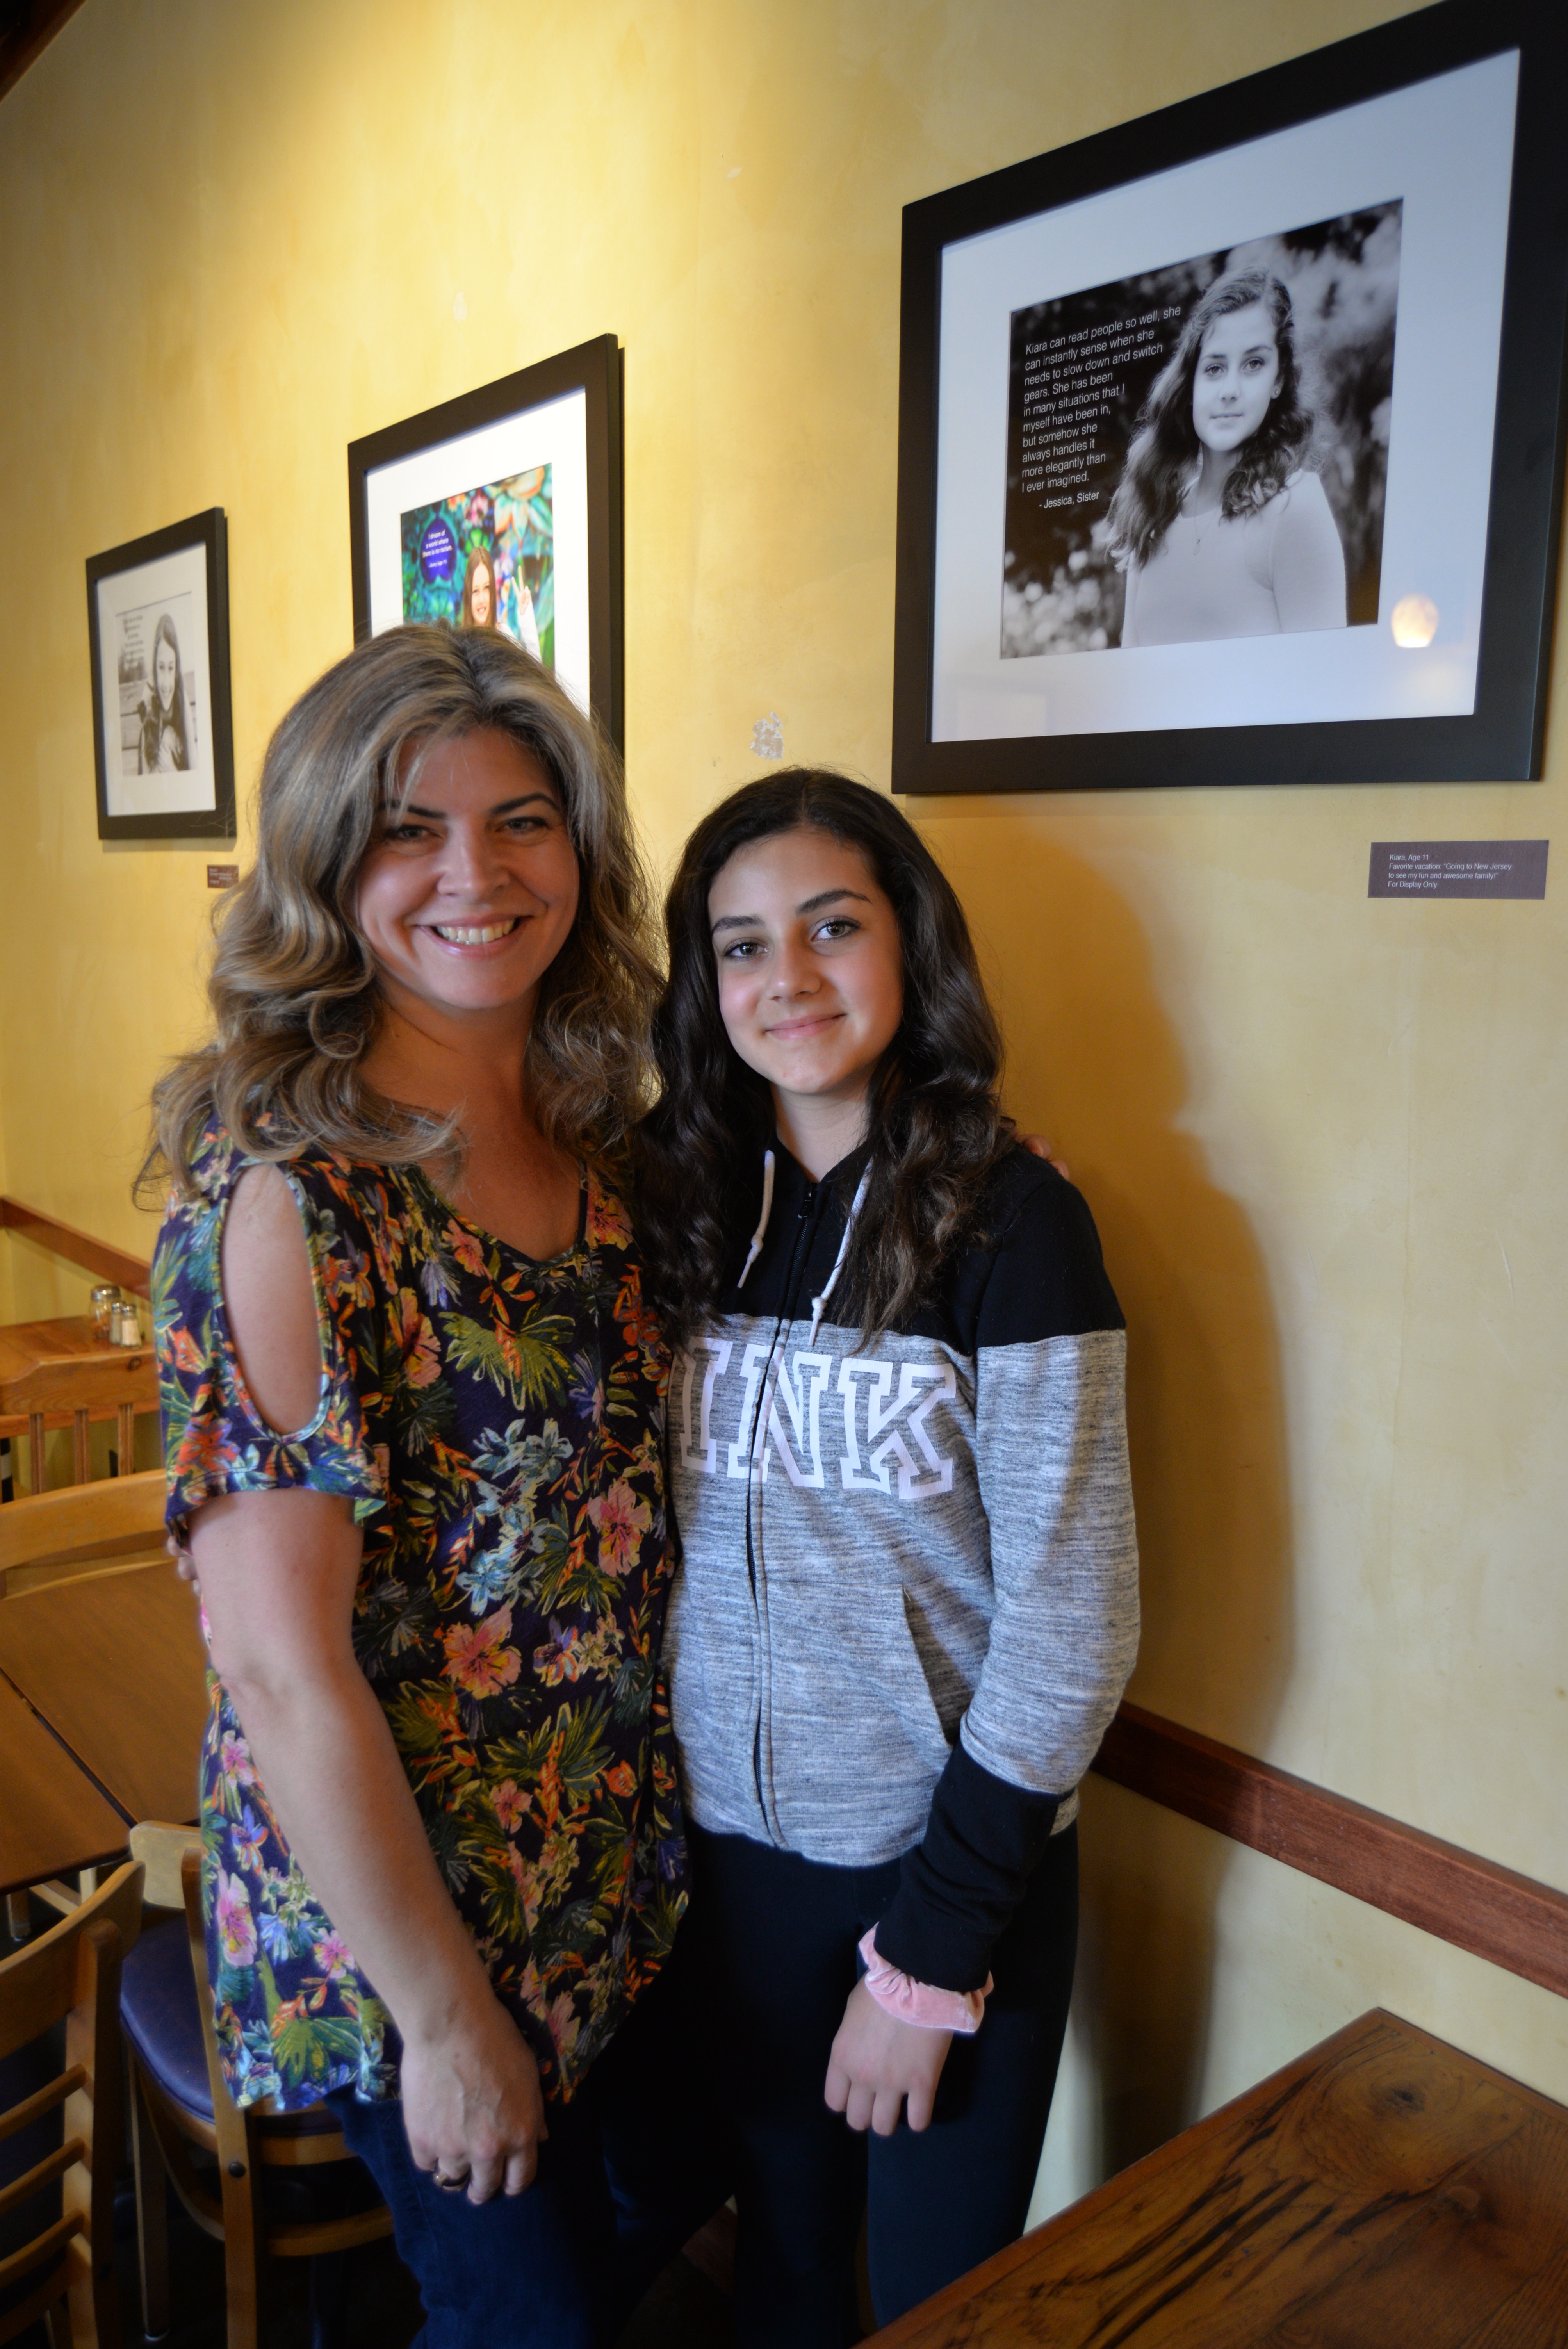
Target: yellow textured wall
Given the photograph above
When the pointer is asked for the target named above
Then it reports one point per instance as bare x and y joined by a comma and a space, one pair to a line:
1320, 1134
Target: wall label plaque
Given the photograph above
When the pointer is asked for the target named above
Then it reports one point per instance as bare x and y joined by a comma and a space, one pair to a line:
1458, 868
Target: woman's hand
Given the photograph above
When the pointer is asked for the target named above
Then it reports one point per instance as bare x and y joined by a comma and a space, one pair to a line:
1042, 1149
472, 2104
879, 2063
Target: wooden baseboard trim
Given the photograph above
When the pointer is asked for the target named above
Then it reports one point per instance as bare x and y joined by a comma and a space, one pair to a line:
1510, 1920
132, 1272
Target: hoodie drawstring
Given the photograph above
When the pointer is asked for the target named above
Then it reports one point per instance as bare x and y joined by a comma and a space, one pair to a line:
755, 1251
855, 1205
819, 1304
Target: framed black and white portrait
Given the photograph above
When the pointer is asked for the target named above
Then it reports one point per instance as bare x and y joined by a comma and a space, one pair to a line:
1230, 439
503, 509
158, 631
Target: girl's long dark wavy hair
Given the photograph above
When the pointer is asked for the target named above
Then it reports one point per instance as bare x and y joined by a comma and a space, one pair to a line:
1165, 444
935, 1122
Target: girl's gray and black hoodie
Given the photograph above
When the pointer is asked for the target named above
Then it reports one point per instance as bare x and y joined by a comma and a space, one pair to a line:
907, 1602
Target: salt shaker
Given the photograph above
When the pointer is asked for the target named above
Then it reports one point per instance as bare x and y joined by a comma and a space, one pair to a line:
103, 1303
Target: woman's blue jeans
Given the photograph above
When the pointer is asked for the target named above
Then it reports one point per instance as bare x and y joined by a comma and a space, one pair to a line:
626, 2176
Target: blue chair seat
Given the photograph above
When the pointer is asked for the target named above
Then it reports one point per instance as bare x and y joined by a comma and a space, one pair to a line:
164, 2023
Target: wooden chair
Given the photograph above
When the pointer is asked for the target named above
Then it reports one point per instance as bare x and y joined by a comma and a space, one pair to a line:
180, 2100
71, 1974
55, 1370
82, 1529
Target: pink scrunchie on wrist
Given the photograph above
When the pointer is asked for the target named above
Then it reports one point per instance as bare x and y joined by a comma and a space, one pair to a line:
921, 2002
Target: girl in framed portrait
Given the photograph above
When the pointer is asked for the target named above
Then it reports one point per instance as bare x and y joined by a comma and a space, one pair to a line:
479, 605
165, 732
506, 605
1218, 523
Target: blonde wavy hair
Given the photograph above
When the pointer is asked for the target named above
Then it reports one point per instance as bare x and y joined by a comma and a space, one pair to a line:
293, 988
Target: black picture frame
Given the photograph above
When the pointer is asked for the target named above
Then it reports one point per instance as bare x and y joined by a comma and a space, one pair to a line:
183, 572
593, 368
1502, 738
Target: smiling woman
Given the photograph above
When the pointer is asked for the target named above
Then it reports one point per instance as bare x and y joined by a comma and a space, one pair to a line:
466, 895
412, 1403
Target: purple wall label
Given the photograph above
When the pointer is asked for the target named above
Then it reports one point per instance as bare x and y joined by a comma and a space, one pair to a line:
438, 553
1458, 868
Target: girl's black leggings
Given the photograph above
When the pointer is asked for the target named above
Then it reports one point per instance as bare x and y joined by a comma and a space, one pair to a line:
767, 1949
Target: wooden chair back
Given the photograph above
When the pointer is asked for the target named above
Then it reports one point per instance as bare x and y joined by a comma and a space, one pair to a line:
80, 1529
162, 1850
87, 1387
71, 1974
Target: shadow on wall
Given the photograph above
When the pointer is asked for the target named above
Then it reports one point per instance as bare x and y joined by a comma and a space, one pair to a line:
1094, 1061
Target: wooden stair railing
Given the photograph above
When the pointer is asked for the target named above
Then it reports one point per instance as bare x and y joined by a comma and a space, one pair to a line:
132, 1272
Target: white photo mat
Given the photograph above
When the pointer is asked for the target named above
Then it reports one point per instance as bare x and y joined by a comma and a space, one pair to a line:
1444, 147
130, 606
554, 433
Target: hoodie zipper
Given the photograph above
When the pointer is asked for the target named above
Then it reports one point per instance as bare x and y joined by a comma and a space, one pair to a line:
799, 1255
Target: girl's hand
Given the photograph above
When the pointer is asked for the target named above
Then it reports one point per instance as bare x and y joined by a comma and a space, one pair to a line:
879, 2063
473, 2105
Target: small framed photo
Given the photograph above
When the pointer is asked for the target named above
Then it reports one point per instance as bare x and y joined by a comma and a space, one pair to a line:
158, 626
503, 509
1231, 441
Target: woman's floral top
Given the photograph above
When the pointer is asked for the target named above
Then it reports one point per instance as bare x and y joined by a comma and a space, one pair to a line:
498, 1425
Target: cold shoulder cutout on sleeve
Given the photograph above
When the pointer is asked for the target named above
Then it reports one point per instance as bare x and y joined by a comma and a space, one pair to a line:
216, 1440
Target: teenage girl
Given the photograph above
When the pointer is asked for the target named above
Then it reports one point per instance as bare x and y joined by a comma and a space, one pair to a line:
1219, 528
908, 1598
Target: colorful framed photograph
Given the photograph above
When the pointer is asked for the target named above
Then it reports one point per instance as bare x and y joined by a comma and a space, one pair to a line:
1231, 441
503, 509
158, 629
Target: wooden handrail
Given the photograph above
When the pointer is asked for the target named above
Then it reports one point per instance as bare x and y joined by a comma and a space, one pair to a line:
132, 1272
1491, 1911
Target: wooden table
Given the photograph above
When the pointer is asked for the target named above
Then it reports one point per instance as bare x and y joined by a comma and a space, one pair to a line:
53, 1819
115, 1665
55, 1372
1383, 2192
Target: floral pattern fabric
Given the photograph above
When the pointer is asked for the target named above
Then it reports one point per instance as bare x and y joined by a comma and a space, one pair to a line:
498, 1426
